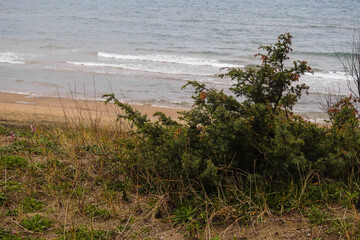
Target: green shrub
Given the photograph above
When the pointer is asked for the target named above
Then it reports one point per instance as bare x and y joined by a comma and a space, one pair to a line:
342, 144
343, 113
222, 137
271, 83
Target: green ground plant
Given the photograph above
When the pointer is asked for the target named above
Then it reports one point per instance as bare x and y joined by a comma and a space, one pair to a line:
184, 214
36, 223
3, 198
96, 212
83, 233
32, 205
11, 186
7, 234
11, 161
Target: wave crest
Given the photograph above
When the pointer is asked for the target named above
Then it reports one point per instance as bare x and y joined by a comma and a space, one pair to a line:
11, 58
169, 59
139, 67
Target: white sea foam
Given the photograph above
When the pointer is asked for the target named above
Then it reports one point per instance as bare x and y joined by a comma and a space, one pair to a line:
11, 58
26, 94
26, 103
176, 102
16, 92
140, 67
329, 75
94, 64
165, 106
169, 59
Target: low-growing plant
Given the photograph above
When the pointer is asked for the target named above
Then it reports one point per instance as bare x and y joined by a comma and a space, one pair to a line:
184, 214
36, 223
32, 205
119, 186
121, 227
83, 233
13, 212
7, 234
96, 212
11, 161
11, 186
317, 216
3, 198
344, 227
189, 217
28, 146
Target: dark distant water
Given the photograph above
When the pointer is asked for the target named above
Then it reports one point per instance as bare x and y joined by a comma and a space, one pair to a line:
145, 50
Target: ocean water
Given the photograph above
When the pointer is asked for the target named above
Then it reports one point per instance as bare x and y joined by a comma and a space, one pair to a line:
145, 50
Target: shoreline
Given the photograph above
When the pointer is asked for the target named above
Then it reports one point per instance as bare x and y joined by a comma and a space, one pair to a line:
18, 108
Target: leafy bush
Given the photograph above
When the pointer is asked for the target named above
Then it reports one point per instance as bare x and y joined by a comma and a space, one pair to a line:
221, 136
343, 114
271, 83
342, 140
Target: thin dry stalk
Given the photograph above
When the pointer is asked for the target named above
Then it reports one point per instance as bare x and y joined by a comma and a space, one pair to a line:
351, 64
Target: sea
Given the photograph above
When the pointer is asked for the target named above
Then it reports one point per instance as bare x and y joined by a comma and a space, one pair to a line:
144, 51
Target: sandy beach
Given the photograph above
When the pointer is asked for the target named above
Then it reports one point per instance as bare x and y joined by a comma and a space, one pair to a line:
26, 109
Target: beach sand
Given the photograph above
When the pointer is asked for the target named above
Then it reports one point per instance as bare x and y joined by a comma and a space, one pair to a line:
26, 109
23, 109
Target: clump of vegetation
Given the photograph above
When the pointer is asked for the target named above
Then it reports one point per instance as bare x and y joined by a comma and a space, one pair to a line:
32, 205
83, 233
221, 136
231, 151
10, 235
10, 161
36, 223
98, 213
224, 165
3, 198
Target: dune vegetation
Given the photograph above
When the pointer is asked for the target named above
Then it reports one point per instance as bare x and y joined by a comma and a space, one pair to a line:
224, 170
